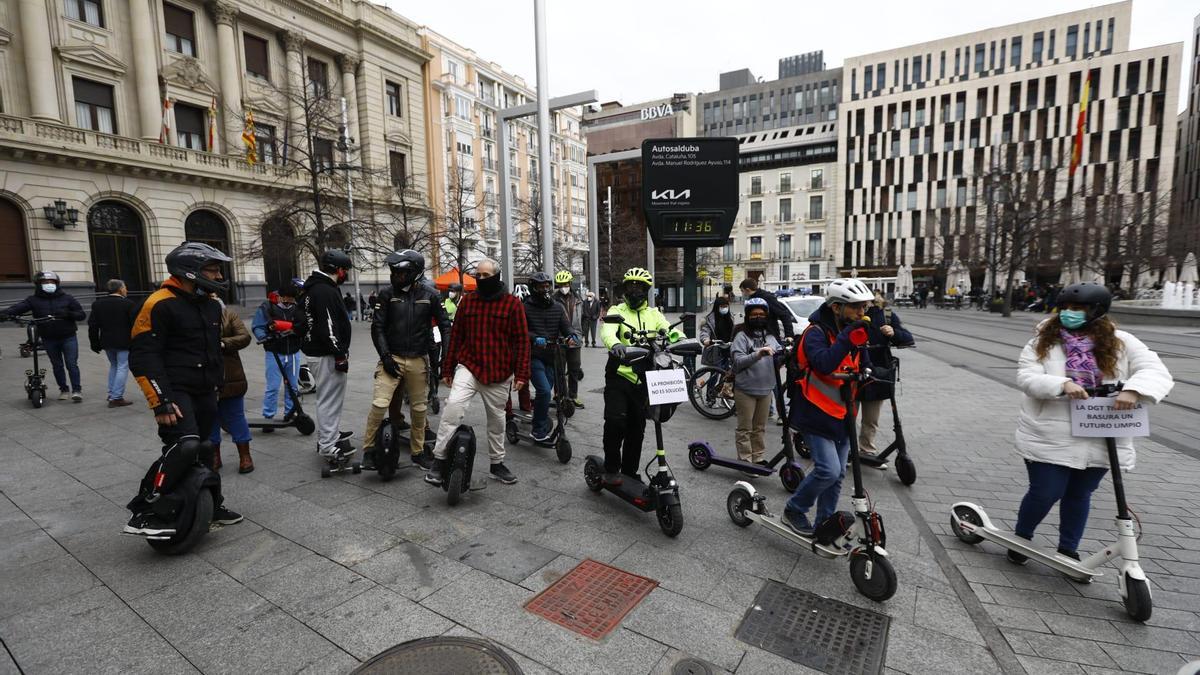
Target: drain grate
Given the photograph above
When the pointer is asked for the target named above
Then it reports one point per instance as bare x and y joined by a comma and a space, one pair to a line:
441, 656
591, 599
822, 633
692, 666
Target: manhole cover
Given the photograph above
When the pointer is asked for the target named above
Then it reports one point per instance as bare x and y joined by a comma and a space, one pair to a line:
591, 599
818, 632
691, 666
441, 656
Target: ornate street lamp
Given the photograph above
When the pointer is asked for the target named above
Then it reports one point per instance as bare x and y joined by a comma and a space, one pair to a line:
60, 216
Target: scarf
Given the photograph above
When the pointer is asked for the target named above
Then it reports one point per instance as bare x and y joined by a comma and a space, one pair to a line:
1081, 362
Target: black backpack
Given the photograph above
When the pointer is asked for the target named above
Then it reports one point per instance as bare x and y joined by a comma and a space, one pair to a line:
833, 527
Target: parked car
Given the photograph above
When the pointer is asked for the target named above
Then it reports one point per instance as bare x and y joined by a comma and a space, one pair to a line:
801, 307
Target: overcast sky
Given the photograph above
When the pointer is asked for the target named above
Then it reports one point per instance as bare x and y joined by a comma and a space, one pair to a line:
637, 50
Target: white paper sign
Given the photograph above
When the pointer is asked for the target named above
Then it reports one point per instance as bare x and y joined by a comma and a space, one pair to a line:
666, 386
1095, 417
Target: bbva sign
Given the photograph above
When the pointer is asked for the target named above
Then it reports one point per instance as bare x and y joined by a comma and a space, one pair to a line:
656, 111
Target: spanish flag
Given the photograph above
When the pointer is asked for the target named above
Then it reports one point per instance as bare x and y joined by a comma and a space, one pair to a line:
1080, 125
212, 125
249, 140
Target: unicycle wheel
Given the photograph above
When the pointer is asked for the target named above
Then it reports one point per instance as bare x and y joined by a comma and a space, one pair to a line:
873, 575
791, 476
510, 431
563, 449
454, 487
1138, 604
906, 471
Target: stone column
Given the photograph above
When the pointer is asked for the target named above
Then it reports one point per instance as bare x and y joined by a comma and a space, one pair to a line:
293, 44
224, 14
145, 69
39, 61
349, 64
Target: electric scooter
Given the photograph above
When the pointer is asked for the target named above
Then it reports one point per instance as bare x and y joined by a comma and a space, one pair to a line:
701, 454
660, 493
35, 377
563, 409
906, 471
971, 525
303, 423
862, 542
190, 504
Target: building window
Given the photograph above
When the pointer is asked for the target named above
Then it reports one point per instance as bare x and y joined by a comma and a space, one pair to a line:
785, 272
814, 271
785, 182
728, 252
94, 106
980, 52
1072, 40
1015, 52
756, 247
318, 78
756, 185
258, 59
816, 179
1037, 47
785, 210
87, 11
322, 159
392, 92
397, 162
181, 29
785, 247
462, 107
189, 126
815, 246
816, 207
756, 213
264, 137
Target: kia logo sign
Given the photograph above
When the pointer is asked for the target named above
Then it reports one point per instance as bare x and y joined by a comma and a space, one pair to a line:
690, 190
670, 195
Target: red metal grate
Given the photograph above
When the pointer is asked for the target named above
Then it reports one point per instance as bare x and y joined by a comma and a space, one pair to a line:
591, 599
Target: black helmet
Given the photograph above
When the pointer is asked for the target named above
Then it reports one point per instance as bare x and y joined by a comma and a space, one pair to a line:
186, 261
334, 259
406, 266
1089, 293
456, 287
45, 275
540, 278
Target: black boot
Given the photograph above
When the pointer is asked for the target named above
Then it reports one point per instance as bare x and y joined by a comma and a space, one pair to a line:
434, 476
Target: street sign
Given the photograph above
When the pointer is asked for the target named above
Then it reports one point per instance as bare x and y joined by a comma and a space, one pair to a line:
728, 274
690, 190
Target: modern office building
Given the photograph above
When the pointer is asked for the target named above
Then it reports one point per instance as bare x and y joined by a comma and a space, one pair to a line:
100, 179
801, 64
1186, 217
743, 104
922, 127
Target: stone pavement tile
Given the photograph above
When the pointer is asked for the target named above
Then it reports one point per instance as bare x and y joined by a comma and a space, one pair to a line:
253, 498
309, 586
79, 515
1174, 618
735, 591
1152, 637
683, 574
1038, 666
753, 551
117, 472
583, 541
7, 665
1178, 584
132, 569
501, 556
15, 522
693, 627
528, 665
348, 542
1040, 582
28, 547
239, 646
254, 555
213, 601
493, 608
1057, 647
1081, 627
411, 571
43, 582
434, 529
550, 573
1140, 660
945, 614
336, 662
375, 509
1173, 600
1016, 617
1018, 597
90, 632
328, 493
912, 649
376, 620
759, 662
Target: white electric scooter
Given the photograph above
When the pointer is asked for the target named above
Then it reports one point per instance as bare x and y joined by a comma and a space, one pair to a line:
972, 526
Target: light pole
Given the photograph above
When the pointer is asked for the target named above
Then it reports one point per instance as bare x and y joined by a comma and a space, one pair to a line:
350, 205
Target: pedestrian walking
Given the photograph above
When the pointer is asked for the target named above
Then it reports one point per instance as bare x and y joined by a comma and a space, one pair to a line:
58, 335
287, 347
884, 331
589, 316
231, 401
109, 326
326, 338
351, 306
756, 356
566, 298
1075, 350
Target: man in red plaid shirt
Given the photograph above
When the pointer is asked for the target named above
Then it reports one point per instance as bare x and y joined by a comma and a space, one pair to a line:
488, 355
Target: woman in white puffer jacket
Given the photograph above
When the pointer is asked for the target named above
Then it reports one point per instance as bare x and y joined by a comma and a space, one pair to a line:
1077, 349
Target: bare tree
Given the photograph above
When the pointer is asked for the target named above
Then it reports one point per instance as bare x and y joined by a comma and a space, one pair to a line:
459, 227
402, 220
1022, 206
529, 252
1122, 230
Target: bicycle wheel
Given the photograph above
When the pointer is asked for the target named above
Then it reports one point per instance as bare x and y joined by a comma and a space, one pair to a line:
704, 391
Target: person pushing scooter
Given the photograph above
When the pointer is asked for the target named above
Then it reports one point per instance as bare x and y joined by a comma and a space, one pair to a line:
547, 321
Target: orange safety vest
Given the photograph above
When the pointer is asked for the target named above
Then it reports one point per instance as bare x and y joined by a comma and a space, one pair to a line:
825, 391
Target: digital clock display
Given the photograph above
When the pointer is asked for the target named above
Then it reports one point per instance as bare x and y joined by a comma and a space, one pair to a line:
689, 226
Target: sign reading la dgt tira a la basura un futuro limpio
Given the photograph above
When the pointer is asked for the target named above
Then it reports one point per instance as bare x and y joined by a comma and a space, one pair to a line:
1096, 417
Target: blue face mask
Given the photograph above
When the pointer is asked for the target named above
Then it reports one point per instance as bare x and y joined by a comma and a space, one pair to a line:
1072, 318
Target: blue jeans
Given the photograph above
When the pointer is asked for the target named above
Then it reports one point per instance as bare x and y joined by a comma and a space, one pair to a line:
291, 364
60, 350
231, 416
118, 372
822, 485
1071, 488
542, 377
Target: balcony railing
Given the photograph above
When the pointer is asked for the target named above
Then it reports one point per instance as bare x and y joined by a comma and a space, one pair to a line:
488, 132
489, 164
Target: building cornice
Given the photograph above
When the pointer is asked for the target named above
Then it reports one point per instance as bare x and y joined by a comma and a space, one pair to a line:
91, 55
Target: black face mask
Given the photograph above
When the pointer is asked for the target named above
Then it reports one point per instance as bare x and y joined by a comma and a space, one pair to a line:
757, 323
635, 298
543, 297
490, 286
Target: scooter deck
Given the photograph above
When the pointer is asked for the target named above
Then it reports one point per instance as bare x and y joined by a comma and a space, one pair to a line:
775, 524
742, 465
1058, 562
635, 492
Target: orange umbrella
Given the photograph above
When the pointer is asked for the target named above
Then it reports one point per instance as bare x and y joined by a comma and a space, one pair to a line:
453, 277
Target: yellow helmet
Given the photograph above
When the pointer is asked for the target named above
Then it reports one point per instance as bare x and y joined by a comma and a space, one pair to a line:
639, 274
563, 277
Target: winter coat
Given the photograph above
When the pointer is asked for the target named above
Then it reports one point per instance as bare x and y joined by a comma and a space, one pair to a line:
570, 304
881, 356
111, 322
64, 309
269, 312
405, 320
591, 310
717, 327
1044, 426
546, 321
176, 344
825, 346
234, 338
755, 373
326, 323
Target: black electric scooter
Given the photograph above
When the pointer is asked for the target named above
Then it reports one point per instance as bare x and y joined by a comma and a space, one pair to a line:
564, 408
701, 454
303, 423
660, 493
906, 470
35, 377
190, 503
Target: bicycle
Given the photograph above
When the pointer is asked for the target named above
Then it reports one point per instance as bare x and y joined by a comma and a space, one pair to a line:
710, 387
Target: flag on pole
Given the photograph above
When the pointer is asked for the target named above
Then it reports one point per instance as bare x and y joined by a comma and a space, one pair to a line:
1080, 125
212, 125
249, 140
164, 134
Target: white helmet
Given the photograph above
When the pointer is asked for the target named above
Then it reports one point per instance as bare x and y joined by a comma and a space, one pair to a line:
847, 291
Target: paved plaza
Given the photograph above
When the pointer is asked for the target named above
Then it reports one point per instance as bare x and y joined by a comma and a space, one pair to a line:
325, 573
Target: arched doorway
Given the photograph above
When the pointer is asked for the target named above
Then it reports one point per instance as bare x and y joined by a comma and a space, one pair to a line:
14, 256
118, 244
279, 253
207, 227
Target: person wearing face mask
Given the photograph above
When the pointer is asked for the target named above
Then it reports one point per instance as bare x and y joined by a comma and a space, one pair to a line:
282, 308
885, 331
718, 325
453, 297
570, 304
547, 321
327, 338
756, 356
830, 344
58, 336
589, 314
1077, 349
625, 402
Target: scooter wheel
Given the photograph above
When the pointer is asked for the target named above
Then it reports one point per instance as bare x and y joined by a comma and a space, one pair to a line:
454, 487
38, 400
592, 476
966, 514
326, 472
670, 519
183, 541
737, 504
563, 450
881, 582
791, 476
906, 471
305, 425
356, 468
510, 432
801, 448
698, 457
568, 408
1138, 604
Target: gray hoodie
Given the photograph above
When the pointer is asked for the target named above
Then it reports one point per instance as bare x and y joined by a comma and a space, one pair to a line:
755, 374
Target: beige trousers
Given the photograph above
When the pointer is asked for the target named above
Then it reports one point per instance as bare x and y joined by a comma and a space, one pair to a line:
751, 424
464, 388
414, 375
868, 425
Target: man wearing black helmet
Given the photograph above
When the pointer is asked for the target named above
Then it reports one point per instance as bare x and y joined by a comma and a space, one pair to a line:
327, 339
175, 357
547, 321
402, 332
58, 334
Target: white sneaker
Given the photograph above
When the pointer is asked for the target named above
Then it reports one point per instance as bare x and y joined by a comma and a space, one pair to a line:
64, 396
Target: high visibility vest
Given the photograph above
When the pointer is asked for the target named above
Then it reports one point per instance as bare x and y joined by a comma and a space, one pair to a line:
825, 391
